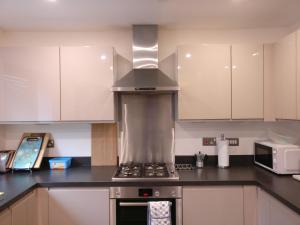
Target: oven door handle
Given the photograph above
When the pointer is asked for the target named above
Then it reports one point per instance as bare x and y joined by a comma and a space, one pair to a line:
130, 204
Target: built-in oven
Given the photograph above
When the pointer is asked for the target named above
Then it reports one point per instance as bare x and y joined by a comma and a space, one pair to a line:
129, 205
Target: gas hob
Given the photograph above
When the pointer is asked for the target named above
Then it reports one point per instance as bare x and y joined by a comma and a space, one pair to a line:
145, 172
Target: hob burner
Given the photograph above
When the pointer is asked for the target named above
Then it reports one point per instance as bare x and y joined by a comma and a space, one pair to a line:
146, 171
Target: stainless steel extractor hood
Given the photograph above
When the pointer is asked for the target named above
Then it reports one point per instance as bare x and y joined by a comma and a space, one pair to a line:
145, 75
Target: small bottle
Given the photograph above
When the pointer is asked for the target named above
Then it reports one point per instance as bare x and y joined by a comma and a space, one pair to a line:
200, 160
223, 152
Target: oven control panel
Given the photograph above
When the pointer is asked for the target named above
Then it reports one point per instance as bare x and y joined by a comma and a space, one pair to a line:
151, 192
145, 192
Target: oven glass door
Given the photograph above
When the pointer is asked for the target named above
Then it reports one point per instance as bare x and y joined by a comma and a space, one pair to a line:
134, 211
264, 155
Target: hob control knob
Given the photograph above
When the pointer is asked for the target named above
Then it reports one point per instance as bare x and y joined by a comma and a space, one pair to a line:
156, 193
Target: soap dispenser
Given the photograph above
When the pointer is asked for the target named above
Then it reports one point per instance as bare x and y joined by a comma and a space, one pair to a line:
223, 152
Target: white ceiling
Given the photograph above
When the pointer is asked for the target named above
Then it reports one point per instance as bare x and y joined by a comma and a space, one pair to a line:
98, 14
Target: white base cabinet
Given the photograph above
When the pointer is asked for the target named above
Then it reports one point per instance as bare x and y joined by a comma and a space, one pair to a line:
213, 205
5, 217
78, 206
24, 212
250, 205
272, 212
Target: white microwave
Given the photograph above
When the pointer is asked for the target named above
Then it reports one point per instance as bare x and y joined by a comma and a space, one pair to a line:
279, 158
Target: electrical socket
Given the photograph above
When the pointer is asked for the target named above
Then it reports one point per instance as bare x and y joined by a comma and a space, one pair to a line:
233, 141
212, 141
209, 141
50, 144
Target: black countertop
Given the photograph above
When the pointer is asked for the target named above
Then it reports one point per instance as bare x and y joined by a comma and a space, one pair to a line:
283, 188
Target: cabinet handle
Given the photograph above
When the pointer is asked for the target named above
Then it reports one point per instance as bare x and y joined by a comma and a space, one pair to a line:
130, 204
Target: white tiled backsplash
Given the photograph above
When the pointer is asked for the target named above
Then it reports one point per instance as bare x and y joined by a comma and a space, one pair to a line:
75, 139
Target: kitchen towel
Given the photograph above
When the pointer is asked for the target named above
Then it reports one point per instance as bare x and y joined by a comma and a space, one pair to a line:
159, 213
223, 153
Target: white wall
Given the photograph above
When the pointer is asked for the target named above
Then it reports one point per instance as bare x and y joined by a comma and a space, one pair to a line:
70, 139
75, 139
188, 139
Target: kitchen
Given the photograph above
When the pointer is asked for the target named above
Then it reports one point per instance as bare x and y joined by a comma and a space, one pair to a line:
71, 69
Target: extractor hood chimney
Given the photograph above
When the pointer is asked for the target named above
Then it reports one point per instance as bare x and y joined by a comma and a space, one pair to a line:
145, 75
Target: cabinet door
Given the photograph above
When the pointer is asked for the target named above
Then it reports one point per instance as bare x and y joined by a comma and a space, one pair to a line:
205, 82
86, 81
250, 205
285, 70
263, 208
273, 212
213, 205
29, 84
247, 81
280, 214
5, 217
24, 211
42, 206
78, 206
298, 75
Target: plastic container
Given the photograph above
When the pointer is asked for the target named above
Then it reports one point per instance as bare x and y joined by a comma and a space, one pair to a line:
60, 163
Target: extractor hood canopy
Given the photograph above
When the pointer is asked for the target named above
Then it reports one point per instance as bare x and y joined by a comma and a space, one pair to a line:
145, 75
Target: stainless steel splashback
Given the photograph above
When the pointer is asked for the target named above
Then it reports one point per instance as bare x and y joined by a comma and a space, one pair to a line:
147, 128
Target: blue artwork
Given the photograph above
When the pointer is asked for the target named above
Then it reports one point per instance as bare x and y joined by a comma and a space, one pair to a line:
27, 153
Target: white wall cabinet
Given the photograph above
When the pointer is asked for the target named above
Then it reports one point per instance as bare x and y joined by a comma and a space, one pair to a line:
213, 205
272, 212
78, 206
24, 212
204, 78
29, 84
86, 81
5, 217
247, 81
285, 71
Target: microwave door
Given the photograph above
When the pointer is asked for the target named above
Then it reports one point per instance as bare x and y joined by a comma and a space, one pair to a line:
264, 155
292, 160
